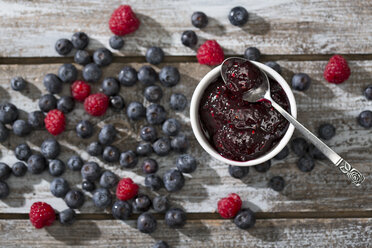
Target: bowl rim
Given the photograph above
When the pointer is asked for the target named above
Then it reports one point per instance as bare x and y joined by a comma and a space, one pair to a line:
199, 134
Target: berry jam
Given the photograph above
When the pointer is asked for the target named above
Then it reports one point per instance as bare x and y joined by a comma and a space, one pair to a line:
237, 129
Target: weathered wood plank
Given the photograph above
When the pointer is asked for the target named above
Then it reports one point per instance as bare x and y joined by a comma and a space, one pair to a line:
323, 189
196, 233
30, 29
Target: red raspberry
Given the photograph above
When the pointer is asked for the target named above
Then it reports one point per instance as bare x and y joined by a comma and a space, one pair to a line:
337, 70
80, 90
123, 21
42, 214
210, 53
126, 189
96, 104
228, 207
55, 122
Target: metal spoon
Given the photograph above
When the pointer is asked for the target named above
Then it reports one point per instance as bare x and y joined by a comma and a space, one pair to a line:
263, 92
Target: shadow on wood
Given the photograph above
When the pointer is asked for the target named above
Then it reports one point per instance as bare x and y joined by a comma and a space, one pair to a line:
256, 25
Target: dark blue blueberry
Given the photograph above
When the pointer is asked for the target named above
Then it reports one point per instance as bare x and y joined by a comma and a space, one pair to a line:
199, 19
306, 163
301, 81
264, 167
108, 180
189, 38
186, 163
147, 75
110, 86
50, 148
141, 203
275, 66
84, 129
66, 104
149, 166
5, 171
155, 114
160, 244
52, 83
8, 113
21, 128
59, 187
117, 102
116, 42
316, 153
160, 203
80, 40
121, 210
178, 102
36, 164
144, 149
18, 83
102, 57
88, 186
102, 198
67, 216
95, 149
326, 131
75, 163
238, 16
36, 119
67, 73
238, 171
107, 134
173, 180
92, 73
148, 133
153, 182
91, 171
63, 46
47, 102
171, 127
365, 119
368, 92
277, 183
299, 146
252, 53
111, 154
22, 152
4, 190
56, 167
245, 219
4, 132
180, 143
154, 55
136, 111
128, 159
162, 146
169, 76
282, 154
146, 223
127, 76
82, 57
153, 93
175, 218
74, 198
19, 169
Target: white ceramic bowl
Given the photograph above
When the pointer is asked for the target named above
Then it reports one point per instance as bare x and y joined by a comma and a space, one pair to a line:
198, 131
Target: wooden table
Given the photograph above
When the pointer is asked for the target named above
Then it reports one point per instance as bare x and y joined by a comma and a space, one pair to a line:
317, 209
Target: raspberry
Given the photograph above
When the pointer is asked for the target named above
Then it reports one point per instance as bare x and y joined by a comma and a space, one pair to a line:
228, 207
55, 122
42, 214
80, 90
96, 104
210, 53
123, 21
126, 189
337, 70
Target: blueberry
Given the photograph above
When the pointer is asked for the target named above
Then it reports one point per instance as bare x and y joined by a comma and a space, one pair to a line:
160, 204
21, 128
67, 216
117, 102
326, 131
141, 203
301, 81
316, 153
173, 180
102, 198
252, 53
162, 146
155, 114
275, 66
18, 83
82, 57
47, 102
186, 163
160, 244
147, 75
4, 190
59, 187
189, 38
368, 92
74, 198
154, 55
245, 219
128, 159
306, 163
365, 119
238, 171
153, 93
36, 119
92, 72
111, 154
199, 19
102, 57
66, 104
4, 132
144, 149
8, 113
146, 223
175, 218
19, 169
88, 186
282, 154
108, 180
75, 163
178, 102
95, 149
127, 76
169, 76
136, 111
171, 127
91, 171
50, 148
56, 167
110, 86
116, 42
80, 40
36, 164
22, 152
84, 129
148, 133
299, 146
264, 167
52, 83
153, 182
67, 73
63, 46
5, 171
180, 143
107, 134
238, 16
149, 166
277, 183
121, 210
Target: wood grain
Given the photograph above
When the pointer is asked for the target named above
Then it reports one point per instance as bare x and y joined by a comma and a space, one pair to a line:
31, 28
